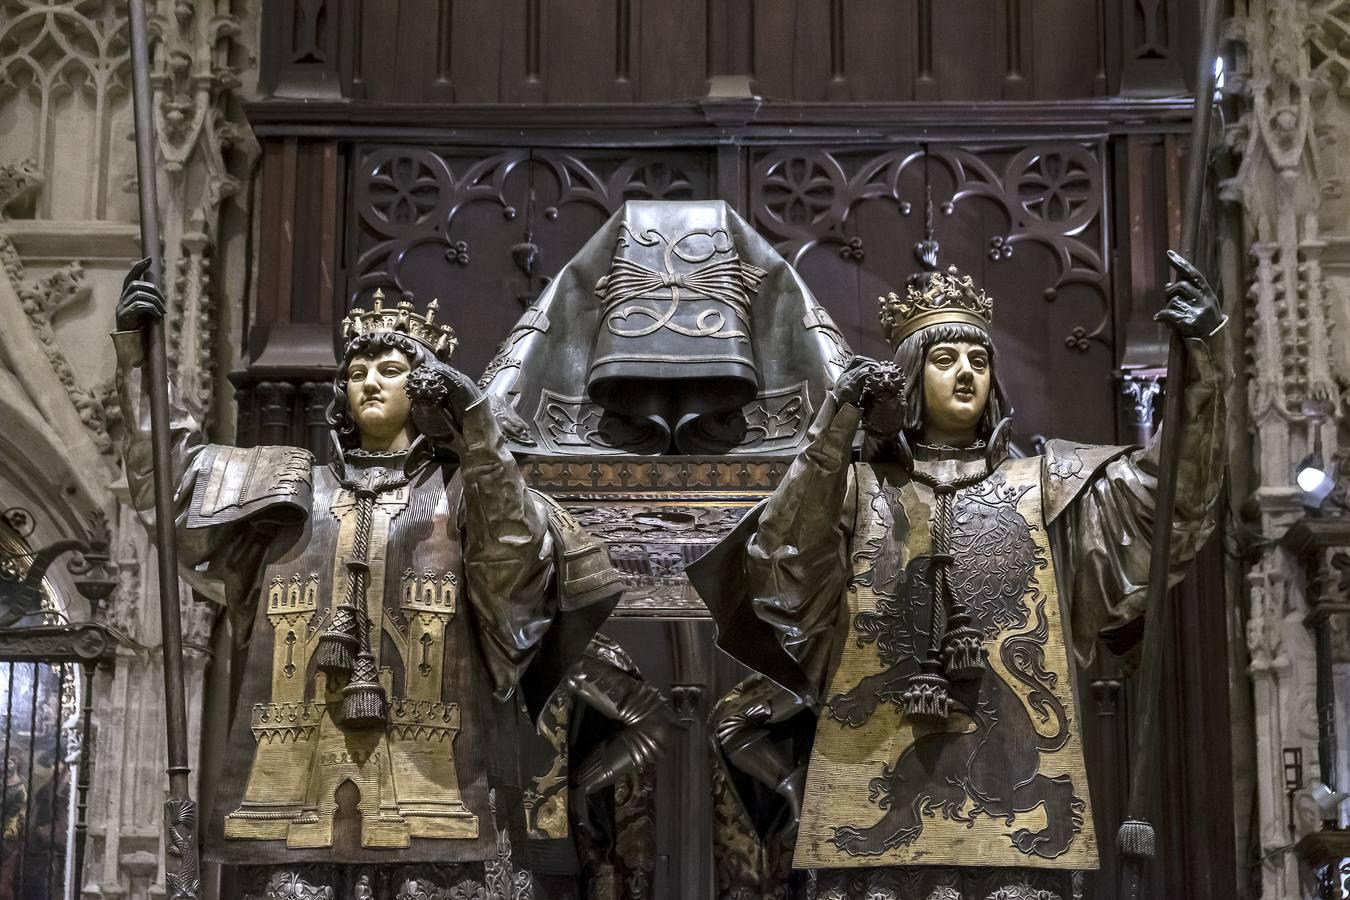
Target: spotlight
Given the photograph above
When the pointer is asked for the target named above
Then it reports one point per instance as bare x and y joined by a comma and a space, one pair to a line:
1312, 475
1314, 480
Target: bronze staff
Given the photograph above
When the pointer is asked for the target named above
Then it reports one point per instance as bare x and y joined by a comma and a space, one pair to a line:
1136, 839
180, 814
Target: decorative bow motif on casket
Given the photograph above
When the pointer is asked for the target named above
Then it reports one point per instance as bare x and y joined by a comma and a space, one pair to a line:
728, 281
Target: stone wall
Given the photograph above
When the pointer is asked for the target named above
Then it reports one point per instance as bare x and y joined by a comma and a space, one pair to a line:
68, 232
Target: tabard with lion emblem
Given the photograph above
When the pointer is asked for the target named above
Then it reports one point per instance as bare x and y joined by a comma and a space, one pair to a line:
826, 590
1004, 781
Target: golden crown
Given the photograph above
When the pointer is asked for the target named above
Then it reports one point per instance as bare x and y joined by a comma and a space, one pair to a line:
935, 298
439, 339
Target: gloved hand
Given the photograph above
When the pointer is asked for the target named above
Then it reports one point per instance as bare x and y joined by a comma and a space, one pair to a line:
439, 396
883, 400
852, 383
141, 301
1192, 309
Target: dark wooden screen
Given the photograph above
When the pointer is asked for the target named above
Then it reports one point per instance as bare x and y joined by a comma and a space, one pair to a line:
394, 52
465, 149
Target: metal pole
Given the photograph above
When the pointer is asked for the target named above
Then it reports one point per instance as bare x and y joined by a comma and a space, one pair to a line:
84, 776
181, 872
1136, 838
28, 825
56, 782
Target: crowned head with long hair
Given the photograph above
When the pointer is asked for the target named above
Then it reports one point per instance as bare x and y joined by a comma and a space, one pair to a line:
939, 332
382, 348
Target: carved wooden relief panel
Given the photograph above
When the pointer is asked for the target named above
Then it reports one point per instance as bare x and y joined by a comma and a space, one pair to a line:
1025, 221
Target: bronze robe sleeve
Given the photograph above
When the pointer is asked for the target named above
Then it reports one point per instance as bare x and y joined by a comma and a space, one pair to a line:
508, 551
796, 561
219, 547
1101, 518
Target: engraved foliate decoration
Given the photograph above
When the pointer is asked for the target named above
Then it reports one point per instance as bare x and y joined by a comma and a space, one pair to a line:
1022, 891
938, 298
291, 884
502, 880
574, 424
940, 883
774, 420
439, 339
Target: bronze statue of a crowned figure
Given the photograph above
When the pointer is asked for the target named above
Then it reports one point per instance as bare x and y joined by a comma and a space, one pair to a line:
391, 605
915, 617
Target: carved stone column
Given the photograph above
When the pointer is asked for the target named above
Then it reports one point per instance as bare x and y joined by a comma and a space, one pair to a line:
1282, 666
1288, 75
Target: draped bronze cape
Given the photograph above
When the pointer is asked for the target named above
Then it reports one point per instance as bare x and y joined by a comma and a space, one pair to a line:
1050, 551
676, 328
477, 587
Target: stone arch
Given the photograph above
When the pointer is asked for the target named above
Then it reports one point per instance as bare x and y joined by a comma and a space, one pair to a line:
346, 817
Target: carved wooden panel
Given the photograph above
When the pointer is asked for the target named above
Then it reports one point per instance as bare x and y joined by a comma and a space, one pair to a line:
1025, 221
305, 48
483, 231
608, 51
424, 51
1149, 32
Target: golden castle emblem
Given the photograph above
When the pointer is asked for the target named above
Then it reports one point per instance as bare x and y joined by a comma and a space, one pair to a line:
405, 772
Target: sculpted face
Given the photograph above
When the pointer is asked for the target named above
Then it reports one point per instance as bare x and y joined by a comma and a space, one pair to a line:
377, 400
956, 379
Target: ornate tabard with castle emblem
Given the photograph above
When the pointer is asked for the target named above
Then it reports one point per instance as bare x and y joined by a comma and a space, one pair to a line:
1003, 783
427, 773
399, 613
